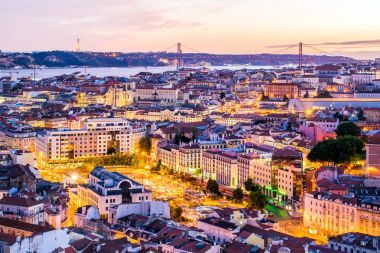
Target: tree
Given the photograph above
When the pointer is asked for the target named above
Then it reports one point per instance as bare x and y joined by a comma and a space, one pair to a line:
157, 168
212, 186
256, 200
145, 143
348, 128
249, 184
361, 115
339, 116
343, 150
285, 98
237, 195
176, 213
324, 94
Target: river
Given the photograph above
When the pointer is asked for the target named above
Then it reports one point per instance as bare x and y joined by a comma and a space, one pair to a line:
107, 71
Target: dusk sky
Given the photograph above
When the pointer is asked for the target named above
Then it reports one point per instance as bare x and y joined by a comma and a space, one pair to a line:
348, 27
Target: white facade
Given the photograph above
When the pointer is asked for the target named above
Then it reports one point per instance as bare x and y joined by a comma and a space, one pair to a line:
98, 138
22, 209
226, 169
324, 213
148, 208
45, 242
106, 189
327, 125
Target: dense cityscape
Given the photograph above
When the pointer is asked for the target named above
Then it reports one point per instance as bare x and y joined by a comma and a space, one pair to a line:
273, 152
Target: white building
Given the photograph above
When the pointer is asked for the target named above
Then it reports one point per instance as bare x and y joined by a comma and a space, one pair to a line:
106, 189
85, 213
328, 125
152, 93
147, 208
23, 209
226, 169
363, 77
329, 213
119, 97
99, 137
24, 237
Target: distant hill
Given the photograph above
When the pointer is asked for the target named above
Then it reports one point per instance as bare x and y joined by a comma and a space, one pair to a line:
109, 59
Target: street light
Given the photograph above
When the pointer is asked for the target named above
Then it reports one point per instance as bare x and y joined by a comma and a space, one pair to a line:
74, 177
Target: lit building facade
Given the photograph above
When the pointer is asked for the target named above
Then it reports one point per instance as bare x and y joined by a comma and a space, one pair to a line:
331, 214
106, 189
99, 137
21, 138
279, 90
118, 97
255, 166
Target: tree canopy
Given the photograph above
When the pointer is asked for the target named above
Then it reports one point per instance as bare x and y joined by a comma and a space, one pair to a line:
249, 185
212, 186
237, 195
145, 143
256, 200
324, 94
343, 150
348, 128
176, 213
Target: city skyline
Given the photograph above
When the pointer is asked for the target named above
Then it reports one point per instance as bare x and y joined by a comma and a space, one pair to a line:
213, 27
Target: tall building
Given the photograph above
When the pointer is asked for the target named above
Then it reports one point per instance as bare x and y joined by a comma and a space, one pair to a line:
286, 162
99, 137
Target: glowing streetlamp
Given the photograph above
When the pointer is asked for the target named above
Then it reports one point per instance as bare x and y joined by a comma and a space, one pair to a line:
74, 177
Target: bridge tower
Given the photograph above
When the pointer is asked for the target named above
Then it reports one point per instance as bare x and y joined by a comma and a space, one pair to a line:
300, 55
77, 48
179, 58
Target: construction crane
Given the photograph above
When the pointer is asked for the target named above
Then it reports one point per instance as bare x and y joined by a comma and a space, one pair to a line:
34, 71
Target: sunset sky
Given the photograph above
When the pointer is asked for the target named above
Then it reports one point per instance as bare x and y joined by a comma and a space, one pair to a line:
349, 27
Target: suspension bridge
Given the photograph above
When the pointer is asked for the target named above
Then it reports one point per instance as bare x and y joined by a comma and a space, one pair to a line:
180, 52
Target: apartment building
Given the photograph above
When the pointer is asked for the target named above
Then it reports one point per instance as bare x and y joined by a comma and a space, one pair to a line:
279, 90
326, 124
355, 242
21, 138
290, 181
105, 189
332, 214
255, 166
168, 155
23, 209
99, 137
226, 169
209, 163
190, 158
